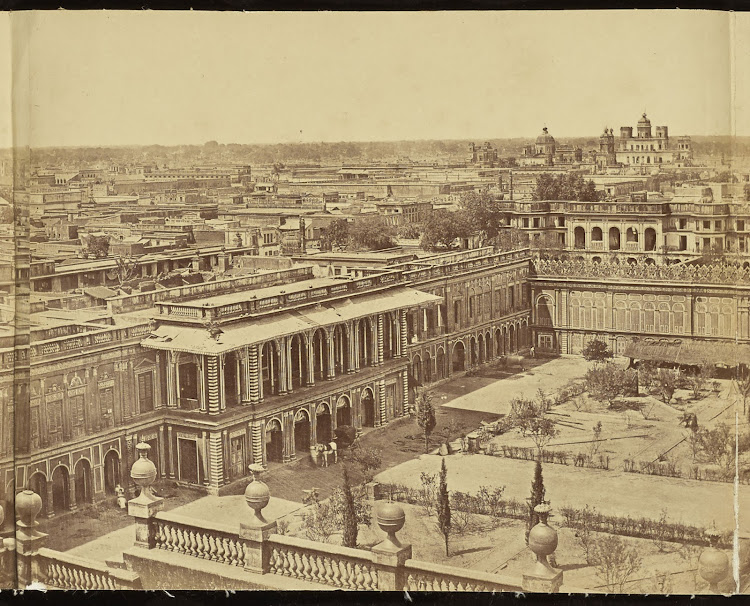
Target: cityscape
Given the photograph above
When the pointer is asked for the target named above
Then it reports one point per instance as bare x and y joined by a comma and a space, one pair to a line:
513, 363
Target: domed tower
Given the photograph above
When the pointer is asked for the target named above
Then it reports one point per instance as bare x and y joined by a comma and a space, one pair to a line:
644, 127
607, 142
545, 144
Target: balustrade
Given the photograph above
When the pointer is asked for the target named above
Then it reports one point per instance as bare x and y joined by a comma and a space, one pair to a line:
207, 541
423, 576
64, 571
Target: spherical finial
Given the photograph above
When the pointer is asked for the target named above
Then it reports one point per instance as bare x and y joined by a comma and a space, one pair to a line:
257, 496
28, 506
543, 540
391, 519
143, 472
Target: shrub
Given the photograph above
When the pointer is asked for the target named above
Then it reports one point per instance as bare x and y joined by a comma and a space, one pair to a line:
596, 350
616, 562
345, 435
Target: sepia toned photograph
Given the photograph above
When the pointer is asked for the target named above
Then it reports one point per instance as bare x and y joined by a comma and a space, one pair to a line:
397, 301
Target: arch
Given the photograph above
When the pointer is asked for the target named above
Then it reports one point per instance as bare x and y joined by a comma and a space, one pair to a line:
440, 363
270, 368
458, 357
427, 368
545, 308
111, 471
579, 237
631, 235
596, 234
364, 342
302, 431
650, 239
416, 369
512, 337
60, 489
343, 411
340, 349
38, 483
367, 403
480, 348
649, 261
632, 261
274, 441
614, 238
499, 342
84, 486
323, 423
488, 346
523, 333
299, 369
596, 260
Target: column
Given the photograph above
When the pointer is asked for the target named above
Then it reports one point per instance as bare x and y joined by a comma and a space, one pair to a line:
202, 383
50, 506
288, 439
381, 402
282, 344
170, 450
403, 335
355, 340
162, 453
222, 384
405, 383
380, 355
257, 441
351, 349
215, 462
373, 342
331, 355
172, 393
72, 504
289, 367
253, 375
212, 380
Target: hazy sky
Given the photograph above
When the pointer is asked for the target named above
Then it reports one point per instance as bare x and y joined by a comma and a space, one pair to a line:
98, 78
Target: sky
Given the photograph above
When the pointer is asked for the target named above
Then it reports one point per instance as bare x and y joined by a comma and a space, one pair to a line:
143, 77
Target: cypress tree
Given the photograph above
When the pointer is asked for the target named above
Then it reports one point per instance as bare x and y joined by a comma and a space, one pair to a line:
349, 514
444, 506
537, 496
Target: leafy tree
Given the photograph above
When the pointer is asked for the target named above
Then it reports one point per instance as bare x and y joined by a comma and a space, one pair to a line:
698, 379
484, 212
443, 227
509, 238
373, 233
336, 235
97, 246
596, 351
566, 187
666, 384
411, 231
349, 514
536, 497
606, 382
367, 459
345, 435
528, 417
443, 506
425, 416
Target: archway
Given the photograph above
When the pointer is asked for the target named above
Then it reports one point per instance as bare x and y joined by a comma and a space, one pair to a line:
323, 423
299, 361
459, 357
60, 489
343, 412
596, 234
301, 431
364, 330
274, 441
488, 347
473, 351
111, 472
480, 348
544, 311
416, 369
427, 368
270, 368
340, 350
320, 354
512, 337
614, 238
84, 482
38, 484
440, 363
367, 401
498, 342
631, 235
579, 235
650, 238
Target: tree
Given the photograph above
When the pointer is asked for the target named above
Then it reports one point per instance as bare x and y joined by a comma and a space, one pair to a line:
566, 187
509, 238
336, 235
411, 231
367, 459
596, 351
349, 514
606, 382
698, 379
616, 562
6, 214
742, 385
442, 228
373, 233
97, 246
666, 382
443, 506
484, 212
536, 497
125, 268
425, 416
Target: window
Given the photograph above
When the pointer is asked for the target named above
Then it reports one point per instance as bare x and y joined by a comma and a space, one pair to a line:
740, 225
561, 222
536, 221
718, 225
145, 392
77, 415
682, 223
54, 421
106, 403
707, 225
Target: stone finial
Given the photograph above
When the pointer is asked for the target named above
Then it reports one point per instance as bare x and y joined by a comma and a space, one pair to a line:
28, 506
543, 542
713, 564
257, 496
143, 472
391, 519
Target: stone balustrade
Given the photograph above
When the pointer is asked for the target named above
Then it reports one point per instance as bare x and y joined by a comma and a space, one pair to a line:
426, 576
58, 570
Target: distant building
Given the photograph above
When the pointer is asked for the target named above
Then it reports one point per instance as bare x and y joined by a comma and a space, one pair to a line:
652, 149
485, 155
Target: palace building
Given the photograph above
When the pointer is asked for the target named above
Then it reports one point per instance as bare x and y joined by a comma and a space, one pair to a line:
250, 369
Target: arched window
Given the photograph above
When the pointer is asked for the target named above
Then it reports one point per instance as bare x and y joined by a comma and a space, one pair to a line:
596, 234
614, 238
580, 237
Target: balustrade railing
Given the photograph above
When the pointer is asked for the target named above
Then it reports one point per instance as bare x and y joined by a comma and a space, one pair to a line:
64, 571
305, 560
423, 576
80, 342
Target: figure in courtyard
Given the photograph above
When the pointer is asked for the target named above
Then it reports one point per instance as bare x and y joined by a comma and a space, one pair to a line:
122, 502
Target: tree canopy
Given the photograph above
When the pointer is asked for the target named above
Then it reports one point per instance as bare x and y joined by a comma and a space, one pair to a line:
443, 227
484, 212
566, 187
336, 235
373, 233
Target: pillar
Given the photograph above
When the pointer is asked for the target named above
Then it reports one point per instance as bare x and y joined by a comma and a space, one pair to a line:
212, 379
380, 350
310, 360
257, 442
404, 335
72, 502
170, 449
282, 344
350, 349
215, 462
287, 432
172, 389
331, 374
202, 383
381, 402
162, 453
253, 374
355, 340
405, 384
288, 349
50, 506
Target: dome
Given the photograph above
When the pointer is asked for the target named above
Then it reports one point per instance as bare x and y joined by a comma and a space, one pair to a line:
545, 137
644, 121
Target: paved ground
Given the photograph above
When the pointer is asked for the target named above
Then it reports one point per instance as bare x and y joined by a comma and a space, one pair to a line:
611, 492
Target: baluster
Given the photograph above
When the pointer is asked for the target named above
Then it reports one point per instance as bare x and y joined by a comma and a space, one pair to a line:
336, 573
328, 572
314, 567
460, 586
297, 565
192, 544
211, 544
169, 529
220, 551
366, 580
410, 586
348, 577
285, 562
202, 545
359, 578
306, 566
275, 561
451, 585
232, 553
180, 539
